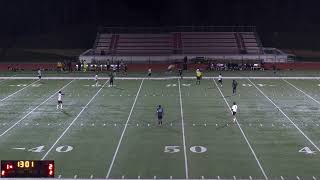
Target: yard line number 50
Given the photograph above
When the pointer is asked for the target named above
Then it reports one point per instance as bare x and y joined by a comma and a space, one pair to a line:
176, 149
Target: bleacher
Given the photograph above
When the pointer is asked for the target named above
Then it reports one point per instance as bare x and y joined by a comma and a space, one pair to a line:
209, 43
177, 43
251, 43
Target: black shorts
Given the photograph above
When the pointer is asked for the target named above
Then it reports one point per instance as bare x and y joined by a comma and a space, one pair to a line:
234, 113
198, 78
111, 81
159, 117
220, 81
39, 77
59, 102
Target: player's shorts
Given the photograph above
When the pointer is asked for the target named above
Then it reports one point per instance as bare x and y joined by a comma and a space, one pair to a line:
159, 117
220, 81
198, 78
59, 102
39, 77
149, 74
234, 113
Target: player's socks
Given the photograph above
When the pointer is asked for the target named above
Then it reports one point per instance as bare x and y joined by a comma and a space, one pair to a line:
57, 106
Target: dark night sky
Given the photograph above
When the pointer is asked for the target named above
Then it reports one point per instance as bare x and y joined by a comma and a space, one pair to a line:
45, 15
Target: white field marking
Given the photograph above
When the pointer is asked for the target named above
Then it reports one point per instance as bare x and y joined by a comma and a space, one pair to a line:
287, 117
183, 135
302, 91
33, 111
162, 78
18, 91
245, 137
124, 130
64, 132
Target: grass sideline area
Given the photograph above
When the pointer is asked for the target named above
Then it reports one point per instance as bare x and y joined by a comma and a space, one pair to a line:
112, 132
266, 73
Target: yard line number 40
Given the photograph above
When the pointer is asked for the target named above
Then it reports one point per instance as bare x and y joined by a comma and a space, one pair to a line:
176, 149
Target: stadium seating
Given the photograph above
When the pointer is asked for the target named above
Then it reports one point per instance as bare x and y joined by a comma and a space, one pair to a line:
177, 43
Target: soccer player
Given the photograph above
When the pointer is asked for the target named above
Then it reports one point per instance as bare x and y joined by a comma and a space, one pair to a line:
111, 79
39, 74
60, 94
96, 79
160, 113
180, 73
234, 109
220, 79
198, 76
149, 72
234, 87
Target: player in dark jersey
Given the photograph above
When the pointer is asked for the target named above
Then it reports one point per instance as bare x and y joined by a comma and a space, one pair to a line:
180, 73
111, 79
234, 87
160, 113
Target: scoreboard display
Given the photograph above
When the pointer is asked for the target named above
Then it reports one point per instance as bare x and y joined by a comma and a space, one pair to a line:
27, 168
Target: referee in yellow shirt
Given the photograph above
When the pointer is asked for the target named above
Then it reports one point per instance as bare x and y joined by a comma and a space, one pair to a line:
198, 76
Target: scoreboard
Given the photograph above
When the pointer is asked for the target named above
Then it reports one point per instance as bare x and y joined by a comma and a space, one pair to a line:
27, 168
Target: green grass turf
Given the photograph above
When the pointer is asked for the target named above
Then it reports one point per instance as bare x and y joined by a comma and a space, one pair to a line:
96, 130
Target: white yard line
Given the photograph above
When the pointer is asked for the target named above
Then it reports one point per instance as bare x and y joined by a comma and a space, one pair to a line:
286, 116
74, 120
33, 110
243, 134
302, 91
164, 78
18, 91
123, 131
183, 135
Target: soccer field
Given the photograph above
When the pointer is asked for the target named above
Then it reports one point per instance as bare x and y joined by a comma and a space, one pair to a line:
112, 132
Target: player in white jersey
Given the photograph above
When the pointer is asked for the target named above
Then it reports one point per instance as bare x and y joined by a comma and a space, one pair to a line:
234, 109
60, 94
220, 79
96, 79
39, 74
